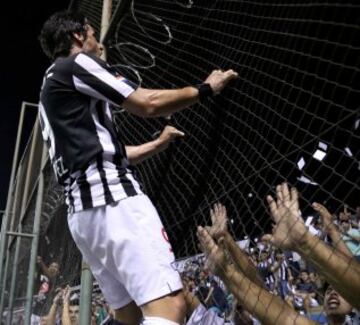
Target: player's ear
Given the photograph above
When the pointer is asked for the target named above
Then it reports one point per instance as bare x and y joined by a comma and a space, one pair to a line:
79, 38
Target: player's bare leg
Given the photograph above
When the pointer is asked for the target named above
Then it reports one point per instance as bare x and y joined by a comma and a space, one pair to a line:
129, 314
171, 307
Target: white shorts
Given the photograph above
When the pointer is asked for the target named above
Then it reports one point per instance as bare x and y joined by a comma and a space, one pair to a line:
126, 247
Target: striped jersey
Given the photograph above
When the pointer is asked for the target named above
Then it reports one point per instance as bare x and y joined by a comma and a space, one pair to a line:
282, 271
264, 269
77, 125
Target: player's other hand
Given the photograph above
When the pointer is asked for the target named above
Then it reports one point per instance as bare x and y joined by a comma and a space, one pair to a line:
218, 79
169, 134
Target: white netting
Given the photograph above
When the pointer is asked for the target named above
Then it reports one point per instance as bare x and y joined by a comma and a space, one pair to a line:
293, 113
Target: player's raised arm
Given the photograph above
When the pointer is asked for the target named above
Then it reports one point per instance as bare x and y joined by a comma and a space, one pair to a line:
137, 154
155, 102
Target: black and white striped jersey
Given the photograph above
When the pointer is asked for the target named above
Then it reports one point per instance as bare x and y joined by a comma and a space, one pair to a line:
76, 120
282, 271
264, 268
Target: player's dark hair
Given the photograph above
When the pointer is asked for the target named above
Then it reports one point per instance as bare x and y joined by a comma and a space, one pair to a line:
57, 35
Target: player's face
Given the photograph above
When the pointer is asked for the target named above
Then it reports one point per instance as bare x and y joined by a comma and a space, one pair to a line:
334, 304
91, 45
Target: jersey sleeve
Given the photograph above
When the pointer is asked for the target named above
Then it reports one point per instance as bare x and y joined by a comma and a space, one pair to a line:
92, 77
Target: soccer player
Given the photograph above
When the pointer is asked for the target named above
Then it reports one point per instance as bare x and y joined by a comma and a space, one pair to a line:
112, 221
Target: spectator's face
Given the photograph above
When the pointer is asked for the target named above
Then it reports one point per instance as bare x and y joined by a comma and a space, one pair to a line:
312, 276
304, 276
263, 256
334, 304
54, 269
345, 225
191, 284
317, 225
279, 256
74, 314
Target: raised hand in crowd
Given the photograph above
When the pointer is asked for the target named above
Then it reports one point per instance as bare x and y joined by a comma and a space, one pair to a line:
266, 307
50, 318
290, 232
219, 230
219, 221
331, 229
65, 316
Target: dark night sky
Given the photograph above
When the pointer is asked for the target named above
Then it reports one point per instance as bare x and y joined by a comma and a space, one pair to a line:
23, 64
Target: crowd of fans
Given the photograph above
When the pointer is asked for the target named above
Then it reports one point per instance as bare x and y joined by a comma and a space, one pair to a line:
284, 273
267, 265
303, 271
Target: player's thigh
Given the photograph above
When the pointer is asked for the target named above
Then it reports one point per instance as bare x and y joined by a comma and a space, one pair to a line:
142, 255
130, 314
83, 230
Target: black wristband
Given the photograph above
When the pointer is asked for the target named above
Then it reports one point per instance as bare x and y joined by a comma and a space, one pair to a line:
205, 91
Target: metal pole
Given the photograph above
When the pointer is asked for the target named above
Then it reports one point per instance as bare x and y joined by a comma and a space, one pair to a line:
2, 299
20, 234
29, 172
15, 198
35, 241
105, 18
86, 276
13, 279
118, 15
85, 294
9, 202
9, 208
